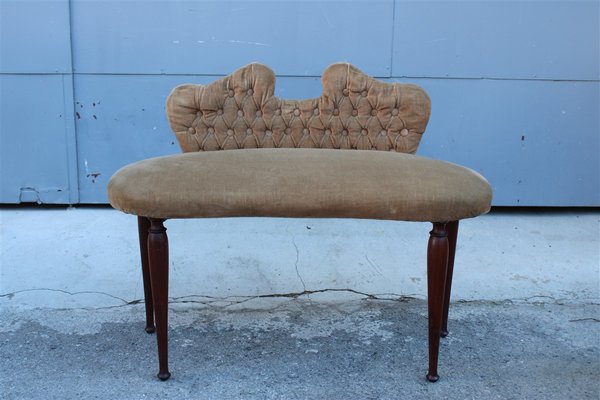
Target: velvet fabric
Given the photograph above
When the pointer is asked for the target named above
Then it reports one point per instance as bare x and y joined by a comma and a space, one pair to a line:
300, 183
354, 111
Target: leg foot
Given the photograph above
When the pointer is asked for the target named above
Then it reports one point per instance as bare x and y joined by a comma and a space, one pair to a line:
163, 376
437, 262
150, 329
158, 256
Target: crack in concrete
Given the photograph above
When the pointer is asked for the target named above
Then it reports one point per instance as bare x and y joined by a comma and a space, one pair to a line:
216, 301
296, 263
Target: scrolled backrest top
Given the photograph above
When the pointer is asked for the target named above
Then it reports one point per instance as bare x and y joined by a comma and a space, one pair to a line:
355, 111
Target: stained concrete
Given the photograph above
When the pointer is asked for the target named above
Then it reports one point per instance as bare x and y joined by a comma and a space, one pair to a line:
299, 309
299, 349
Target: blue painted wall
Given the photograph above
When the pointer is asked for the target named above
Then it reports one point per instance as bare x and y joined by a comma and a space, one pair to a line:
515, 85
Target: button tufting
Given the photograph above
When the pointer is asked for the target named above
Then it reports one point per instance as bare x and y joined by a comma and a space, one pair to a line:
229, 132
288, 131
373, 112
191, 131
327, 132
363, 93
355, 112
219, 111
231, 93
364, 132
404, 132
395, 111
345, 92
259, 113
249, 131
250, 92
316, 111
383, 132
211, 131
199, 114
296, 112
336, 111
268, 133
344, 133
278, 111
240, 113
305, 131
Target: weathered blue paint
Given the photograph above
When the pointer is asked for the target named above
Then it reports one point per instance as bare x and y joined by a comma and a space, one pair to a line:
497, 39
34, 159
514, 85
35, 37
213, 37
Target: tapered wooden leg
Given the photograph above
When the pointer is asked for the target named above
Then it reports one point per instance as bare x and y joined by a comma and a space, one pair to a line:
158, 257
452, 229
143, 226
437, 261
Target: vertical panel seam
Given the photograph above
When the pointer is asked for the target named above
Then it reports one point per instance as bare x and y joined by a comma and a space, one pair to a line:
70, 124
392, 41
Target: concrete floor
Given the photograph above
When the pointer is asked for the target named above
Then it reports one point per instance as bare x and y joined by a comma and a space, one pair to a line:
524, 322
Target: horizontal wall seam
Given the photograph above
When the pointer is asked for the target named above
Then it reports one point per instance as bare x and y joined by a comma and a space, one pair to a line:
303, 76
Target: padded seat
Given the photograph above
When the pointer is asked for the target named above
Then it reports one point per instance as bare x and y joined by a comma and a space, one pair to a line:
300, 183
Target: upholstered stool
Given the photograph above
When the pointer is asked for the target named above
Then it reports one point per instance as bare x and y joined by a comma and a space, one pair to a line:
309, 158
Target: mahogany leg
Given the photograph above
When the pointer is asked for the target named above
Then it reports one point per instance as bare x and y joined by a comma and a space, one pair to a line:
143, 226
158, 257
452, 229
437, 261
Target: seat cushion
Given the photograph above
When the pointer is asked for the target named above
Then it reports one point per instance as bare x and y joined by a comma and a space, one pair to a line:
299, 183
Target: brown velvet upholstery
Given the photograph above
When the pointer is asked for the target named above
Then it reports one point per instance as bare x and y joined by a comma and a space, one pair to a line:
300, 183
296, 173
355, 111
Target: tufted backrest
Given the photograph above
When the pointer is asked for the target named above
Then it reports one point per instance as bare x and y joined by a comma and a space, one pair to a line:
354, 111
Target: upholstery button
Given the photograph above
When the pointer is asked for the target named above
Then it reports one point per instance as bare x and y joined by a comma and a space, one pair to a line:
345, 92
240, 113
316, 111
383, 132
404, 132
229, 132
288, 131
296, 112
199, 114
219, 111
249, 131
259, 113
191, 131
211, 131
395, 111
363, 93
355, 112
327, 132
305, 131
336, 111
344, 133
250, 92
373, 112
268, 133
364, 132
230, 93
278, 111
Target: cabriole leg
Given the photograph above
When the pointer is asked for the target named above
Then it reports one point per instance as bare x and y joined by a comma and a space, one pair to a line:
452, 229
437, 261
143, 226
158, 256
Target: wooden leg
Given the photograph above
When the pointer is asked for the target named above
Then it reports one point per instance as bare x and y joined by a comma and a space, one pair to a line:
143, 226
158, 257
452, 229
437, 261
